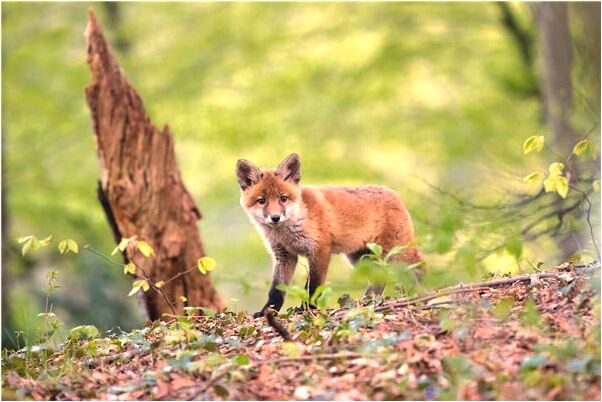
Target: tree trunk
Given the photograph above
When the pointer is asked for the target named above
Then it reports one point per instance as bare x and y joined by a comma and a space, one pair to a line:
140, 187
556, 51
555, 44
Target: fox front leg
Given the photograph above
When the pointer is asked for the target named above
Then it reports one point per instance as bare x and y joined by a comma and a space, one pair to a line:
284, 268
318, 268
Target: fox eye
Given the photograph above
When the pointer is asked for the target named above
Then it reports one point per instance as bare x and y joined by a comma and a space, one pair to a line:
261, 201
283, 198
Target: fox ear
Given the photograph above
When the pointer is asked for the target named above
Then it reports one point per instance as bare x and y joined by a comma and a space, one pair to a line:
248, 174
290, 168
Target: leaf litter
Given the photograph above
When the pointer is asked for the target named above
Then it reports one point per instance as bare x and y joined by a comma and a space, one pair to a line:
529, 337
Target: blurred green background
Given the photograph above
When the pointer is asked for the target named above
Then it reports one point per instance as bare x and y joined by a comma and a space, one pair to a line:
386, 93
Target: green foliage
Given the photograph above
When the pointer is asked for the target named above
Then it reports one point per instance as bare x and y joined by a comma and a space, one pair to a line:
32, 243
584, 147
534, 143
556, 181
130, 268
318, 83
137, 285
68, 245
145, 248
206, 264
84, 332
514, 245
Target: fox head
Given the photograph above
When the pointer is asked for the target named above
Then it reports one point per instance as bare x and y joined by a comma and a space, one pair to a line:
271, 196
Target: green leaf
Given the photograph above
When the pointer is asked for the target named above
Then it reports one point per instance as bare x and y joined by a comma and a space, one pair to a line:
291, 349
503, 308
533, 178
376, 249
68, 245
145, 248
72, 246
562, 186
556, 168
221, 391
514, 245
29, 244
123, 243
532, 362
23, 239
581, 147
294, 291
345, 301
242, 360
83, 332
137, 285
243, 332
207, 311
555, 181
533, 143
45, 241
206, 264
394, 251
129, 268
530, 313
596, 186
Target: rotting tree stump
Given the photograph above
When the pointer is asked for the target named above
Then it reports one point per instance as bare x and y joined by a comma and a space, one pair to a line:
140, 187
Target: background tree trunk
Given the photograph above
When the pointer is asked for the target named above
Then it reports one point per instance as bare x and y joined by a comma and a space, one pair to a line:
556, 52
140, 186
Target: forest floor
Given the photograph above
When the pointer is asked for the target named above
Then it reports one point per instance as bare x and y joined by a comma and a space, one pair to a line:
526, 337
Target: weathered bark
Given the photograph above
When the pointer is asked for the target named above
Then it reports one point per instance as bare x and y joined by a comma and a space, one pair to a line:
140, 186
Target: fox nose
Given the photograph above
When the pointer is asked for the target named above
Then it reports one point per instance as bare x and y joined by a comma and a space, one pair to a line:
275, 218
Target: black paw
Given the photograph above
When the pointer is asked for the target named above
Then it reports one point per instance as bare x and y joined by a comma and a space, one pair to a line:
258, 314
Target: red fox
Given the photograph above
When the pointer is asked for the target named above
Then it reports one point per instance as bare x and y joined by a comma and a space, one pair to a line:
316, 222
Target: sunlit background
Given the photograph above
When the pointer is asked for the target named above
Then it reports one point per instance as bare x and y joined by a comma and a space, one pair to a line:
401, 95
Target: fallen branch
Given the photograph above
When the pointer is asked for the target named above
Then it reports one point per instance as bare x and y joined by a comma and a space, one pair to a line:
468, 288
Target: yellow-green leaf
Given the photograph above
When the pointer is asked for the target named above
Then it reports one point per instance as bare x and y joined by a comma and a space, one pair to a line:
184, 299
123, 243
562, 186
137, 285
45, 241
145, 248
581, 147
23, 239
68, 245
62, 246
206, 264
129, 268
596, 186
557, 183
291, 349
549, 184
556, 168
533, 143
72, 246
533, 178
28, 245
159, 284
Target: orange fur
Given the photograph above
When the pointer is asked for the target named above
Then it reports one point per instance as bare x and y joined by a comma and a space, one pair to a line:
317, 222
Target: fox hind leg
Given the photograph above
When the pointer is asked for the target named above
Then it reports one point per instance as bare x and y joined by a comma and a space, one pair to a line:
354, 258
